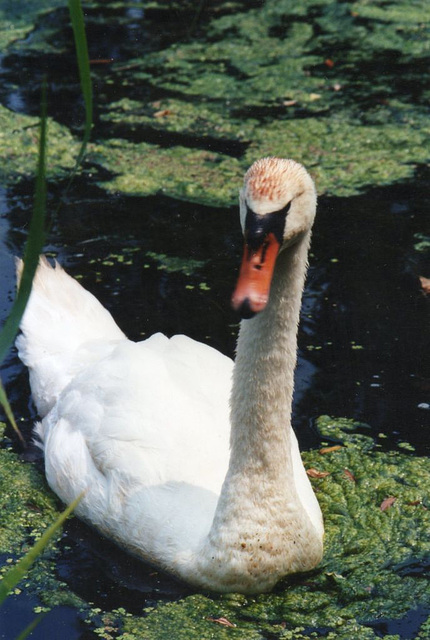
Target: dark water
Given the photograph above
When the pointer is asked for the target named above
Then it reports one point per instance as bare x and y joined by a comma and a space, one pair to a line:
364, 334
362, 342
17, 614
363, 339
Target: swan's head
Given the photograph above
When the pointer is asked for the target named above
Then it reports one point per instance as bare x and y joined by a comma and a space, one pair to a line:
277, 207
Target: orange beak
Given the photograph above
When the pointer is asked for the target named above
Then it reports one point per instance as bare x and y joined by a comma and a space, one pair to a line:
253, 287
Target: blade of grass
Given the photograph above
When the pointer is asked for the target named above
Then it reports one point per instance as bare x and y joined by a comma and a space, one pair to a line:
17, 573
36, 229
9, 413
34, 243
78, 25
31, 627
33, 249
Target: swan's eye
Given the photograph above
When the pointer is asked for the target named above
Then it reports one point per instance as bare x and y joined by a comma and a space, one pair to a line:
257, 227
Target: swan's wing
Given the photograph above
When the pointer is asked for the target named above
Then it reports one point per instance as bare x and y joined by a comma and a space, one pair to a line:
145, 432
152, 412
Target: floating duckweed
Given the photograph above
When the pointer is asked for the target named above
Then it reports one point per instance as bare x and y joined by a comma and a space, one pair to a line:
423, 243
319, 83
173, 264
406, 446
18, 21
370, 569
18, 147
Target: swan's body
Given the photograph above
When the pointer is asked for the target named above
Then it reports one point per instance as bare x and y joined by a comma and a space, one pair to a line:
146, 428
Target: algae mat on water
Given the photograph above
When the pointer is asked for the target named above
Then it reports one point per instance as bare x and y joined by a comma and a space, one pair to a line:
340, 86
377, 551
335, 85
19, 147
17, 18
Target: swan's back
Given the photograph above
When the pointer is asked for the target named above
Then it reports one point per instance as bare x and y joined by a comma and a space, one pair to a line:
145, 432
142, 427
152, 411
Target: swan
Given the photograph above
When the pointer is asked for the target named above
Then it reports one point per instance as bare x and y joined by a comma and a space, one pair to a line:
187, 460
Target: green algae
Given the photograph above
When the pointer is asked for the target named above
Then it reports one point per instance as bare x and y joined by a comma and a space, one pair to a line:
19, 147
143, 169
174, 264
242, 65
340, 87
17, 18
370, 570
177, 116
26, 506
424, 632
257, 70
422, 244
27, 509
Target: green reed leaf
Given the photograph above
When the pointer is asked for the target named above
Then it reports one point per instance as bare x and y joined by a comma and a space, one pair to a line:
33, 248
36, 236
9, 413
17, 573
78, 25
31, 627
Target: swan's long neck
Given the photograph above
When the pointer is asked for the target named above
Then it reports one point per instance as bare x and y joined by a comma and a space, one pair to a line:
263, 384
264, 374
259, 516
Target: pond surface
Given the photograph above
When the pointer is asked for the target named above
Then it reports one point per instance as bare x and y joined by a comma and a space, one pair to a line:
170, 266
159, 264
162, 264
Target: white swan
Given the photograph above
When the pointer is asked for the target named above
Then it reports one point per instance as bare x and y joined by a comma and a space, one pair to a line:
145, 427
